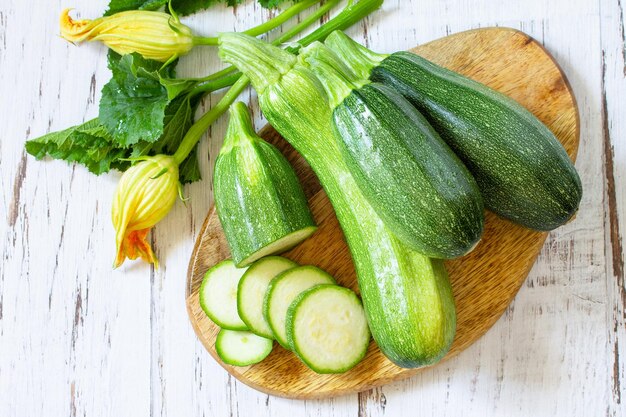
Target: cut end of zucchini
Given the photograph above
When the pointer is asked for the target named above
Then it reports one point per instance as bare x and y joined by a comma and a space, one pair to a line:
241, 348
327, 327
218, 295
282, 245
283, 290
251, 292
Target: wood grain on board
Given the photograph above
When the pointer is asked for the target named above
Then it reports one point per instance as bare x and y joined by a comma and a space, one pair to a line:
484, 282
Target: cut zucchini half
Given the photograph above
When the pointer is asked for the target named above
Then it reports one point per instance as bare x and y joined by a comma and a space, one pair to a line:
283, 289
258, 197
251, 292
327, 328
218, 295
241, 348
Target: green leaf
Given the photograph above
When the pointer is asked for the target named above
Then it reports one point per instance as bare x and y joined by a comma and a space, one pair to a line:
189, 170
178, 86
91, 145
186, 7
178, 119
270, 4
183, 7
88, 144
140, 112
133, 102
116, 6
232, 3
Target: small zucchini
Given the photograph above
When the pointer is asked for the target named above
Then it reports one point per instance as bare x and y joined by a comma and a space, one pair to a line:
259, 200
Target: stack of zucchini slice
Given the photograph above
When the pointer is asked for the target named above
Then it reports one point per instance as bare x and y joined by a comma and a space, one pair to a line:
299, 306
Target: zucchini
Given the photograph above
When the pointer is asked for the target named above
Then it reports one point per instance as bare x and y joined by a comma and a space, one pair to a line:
417, 185
327, 328
407, 296
258, 198
218, 295
251, 292
522, 170
241, 348
281, 292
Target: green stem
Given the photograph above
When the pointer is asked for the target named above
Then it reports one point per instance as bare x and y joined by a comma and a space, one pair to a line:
217, 84
360, 59
240, 131
288, 35
351, 14
195, 132
266, 26
200, 40
306, 22
337, 78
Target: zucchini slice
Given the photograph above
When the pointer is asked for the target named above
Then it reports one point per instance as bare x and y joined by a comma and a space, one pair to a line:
251, 292
218, 295
241, 348
327, 327
282, 290
258, 197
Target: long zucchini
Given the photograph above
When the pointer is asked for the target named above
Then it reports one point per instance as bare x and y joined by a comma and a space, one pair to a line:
259, 200
413, 180
406, 295
522, 170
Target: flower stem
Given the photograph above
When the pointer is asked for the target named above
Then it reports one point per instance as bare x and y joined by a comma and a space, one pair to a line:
266, 26
351, 14
200, 40
195, 132
231, 71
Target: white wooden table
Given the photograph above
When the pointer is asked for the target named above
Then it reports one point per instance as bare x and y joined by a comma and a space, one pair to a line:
78, 338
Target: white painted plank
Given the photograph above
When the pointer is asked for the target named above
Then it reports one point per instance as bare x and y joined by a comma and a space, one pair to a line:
74, 335
614, 127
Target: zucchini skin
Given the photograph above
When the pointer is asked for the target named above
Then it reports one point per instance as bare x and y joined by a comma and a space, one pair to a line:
407, 296
522, 170
417, 185
258, 197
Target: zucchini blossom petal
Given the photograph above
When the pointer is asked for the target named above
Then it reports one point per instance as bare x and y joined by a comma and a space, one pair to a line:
145, 194
154, 35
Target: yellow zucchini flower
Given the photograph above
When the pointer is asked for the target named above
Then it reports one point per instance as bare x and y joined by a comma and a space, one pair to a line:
145, 194
154, 35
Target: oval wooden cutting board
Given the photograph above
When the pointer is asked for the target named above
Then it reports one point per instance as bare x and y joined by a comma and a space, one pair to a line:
484, 282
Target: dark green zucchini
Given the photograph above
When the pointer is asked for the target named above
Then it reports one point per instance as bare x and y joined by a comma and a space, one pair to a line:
418, 186
259, 200
522, 170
